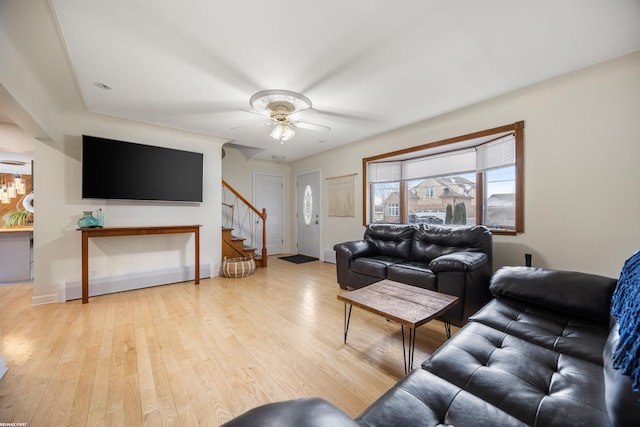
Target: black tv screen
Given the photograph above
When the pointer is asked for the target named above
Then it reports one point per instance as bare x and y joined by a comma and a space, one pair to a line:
123, 170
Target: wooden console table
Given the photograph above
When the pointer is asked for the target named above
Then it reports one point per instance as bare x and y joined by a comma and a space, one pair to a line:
132, 231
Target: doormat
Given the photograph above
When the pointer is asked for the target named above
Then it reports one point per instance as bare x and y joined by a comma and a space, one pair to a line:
298, 259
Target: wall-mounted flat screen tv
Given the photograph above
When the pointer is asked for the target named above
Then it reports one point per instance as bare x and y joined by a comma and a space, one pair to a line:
123, 170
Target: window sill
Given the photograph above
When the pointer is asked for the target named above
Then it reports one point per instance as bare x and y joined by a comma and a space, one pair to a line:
503, 232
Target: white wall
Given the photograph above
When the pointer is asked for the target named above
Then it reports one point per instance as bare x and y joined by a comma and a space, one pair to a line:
581, 167
59, 205
16, 141
30, 65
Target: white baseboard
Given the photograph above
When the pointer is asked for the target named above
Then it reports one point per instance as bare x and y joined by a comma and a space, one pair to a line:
107, 285
45, 299
330, 256
215, 269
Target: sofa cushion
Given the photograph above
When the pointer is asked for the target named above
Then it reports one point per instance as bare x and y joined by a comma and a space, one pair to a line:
536, 385
459, 261
431, 241
414, 273
374, 266
309, 412
580, 294
392, 240
554, 330
423, 399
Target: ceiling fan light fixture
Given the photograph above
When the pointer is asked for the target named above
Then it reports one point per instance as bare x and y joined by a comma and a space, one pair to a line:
290, 102
282, 132
279, 105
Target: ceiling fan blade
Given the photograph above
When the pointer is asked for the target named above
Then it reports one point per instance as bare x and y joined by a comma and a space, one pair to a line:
311, 126
336, 115
252, 111
252, 126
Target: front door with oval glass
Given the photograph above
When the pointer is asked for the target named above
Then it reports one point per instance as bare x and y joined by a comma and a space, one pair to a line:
308, 214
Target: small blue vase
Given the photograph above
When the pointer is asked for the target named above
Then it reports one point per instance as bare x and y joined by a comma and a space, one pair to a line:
88, 221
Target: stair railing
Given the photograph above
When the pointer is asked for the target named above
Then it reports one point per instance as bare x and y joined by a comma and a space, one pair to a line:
239, 214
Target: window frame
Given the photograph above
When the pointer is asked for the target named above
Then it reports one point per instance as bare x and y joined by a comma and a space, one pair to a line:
394, 209
429, 192
516, 129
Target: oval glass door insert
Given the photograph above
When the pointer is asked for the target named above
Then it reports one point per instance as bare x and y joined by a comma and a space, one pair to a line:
307, 206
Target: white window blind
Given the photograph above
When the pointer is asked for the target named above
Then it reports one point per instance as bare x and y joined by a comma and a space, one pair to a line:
384, 172
440, 164
501, 152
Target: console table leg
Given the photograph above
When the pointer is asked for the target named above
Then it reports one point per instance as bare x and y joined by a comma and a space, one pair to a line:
85, 268
197, 255
347, 319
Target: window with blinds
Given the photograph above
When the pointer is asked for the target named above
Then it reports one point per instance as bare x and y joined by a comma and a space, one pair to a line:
474, 180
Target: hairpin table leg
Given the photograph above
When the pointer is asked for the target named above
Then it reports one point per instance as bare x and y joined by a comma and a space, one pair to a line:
447, 324
407, 353
346, 320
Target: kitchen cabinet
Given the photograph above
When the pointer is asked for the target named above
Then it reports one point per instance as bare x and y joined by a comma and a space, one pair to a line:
15, 254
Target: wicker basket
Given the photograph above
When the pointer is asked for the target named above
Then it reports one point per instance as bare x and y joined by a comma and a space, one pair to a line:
238, 267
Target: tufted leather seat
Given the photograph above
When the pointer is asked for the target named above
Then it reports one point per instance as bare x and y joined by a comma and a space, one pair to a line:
539, 354
424, 399
573, 336
529, 382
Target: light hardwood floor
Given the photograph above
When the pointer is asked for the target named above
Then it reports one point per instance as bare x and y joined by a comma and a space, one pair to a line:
196, 355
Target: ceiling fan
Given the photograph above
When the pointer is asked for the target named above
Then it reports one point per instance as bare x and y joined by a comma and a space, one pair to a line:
279, 106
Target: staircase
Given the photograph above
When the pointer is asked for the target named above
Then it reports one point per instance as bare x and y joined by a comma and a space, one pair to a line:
240, 223
234, 247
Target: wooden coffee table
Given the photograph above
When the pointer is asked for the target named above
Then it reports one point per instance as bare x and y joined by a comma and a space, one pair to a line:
408, 305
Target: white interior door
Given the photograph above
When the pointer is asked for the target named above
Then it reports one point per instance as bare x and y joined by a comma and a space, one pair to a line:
268, 194
308, 214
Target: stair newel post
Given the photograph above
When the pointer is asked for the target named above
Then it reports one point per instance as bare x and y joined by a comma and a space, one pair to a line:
264, 237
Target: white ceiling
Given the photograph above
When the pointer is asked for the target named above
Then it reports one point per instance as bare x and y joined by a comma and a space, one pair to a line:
368, 66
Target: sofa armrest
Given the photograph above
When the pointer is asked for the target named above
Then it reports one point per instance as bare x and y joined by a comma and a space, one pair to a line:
354, 249
582, 294
459, 261
308, 412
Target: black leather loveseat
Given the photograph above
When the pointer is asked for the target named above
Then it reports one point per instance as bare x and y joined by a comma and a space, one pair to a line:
452, 260
539, 354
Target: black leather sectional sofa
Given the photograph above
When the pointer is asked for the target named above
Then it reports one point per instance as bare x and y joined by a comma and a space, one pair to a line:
452, 260
539, 354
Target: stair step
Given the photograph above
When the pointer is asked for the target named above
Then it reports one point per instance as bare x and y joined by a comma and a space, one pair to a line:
237, 248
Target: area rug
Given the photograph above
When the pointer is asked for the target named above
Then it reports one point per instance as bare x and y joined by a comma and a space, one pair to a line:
298, 259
